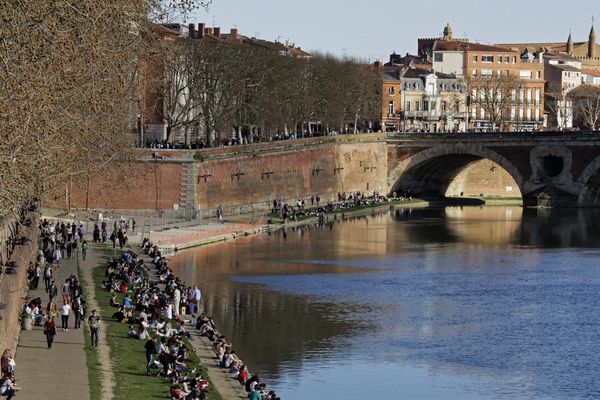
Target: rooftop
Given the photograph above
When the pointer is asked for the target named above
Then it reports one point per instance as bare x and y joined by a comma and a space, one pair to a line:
447, 45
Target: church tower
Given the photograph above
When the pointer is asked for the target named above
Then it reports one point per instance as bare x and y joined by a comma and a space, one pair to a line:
592, 44
448, 32
570, 45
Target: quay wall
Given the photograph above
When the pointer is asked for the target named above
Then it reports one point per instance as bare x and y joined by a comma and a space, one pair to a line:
239, 178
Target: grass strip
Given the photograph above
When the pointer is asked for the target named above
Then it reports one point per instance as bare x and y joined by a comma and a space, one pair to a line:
129, 359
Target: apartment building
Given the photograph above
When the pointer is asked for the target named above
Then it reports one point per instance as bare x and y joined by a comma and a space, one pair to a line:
506, 90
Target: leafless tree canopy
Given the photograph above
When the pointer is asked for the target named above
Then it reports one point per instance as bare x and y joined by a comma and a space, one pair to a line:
226, 91
67, 74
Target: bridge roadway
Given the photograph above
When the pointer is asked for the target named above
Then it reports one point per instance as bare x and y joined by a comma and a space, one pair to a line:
563, 168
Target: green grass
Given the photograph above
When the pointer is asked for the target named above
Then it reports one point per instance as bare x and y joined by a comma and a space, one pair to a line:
93, 365
128, 355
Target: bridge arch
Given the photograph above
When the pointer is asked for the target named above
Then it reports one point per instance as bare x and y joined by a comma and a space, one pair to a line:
431, 171
589, 181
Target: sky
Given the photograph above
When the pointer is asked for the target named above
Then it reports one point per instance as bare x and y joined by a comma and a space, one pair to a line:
373, 29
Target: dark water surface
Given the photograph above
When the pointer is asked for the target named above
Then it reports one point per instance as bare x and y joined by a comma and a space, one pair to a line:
455, 303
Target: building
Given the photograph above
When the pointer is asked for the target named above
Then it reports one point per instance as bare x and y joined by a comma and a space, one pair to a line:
506, 90
416, 99
563, 74
425, 45
590, 76
587, 52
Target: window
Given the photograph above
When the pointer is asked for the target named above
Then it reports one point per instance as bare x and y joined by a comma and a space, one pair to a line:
529, 113
438, 57
391, 90
520, 113
417, 105
529, 91
507, 73
499, 59
391, 107
537, 96
507, 59
513, 95
513, 114
537, 114
457, 106
499, 72
483, 113
474, 59
425, 105
486, 72
443, 106
514, 60
521, 95
474, 72
487, 59
408, 106
525, 74
538, 74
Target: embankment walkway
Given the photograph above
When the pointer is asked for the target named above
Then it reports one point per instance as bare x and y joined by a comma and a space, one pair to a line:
60, 372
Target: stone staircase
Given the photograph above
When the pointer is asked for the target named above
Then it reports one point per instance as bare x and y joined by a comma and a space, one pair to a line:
187, 195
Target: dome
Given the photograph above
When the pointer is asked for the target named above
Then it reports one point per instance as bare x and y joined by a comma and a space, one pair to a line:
448, 31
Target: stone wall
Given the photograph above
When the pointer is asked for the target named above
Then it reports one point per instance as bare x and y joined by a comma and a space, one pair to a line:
484, 177
236, 183
13, 286
240, 178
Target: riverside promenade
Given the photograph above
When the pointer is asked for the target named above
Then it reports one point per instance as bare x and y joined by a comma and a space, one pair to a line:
60, 372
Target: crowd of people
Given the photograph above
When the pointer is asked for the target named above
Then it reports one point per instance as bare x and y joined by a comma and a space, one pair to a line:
8, 387
157, 311
345, 201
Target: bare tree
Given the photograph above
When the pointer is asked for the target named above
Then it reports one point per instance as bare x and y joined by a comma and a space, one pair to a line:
586, 103
495, 96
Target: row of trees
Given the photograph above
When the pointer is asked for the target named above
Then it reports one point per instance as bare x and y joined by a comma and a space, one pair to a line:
217, 91
67, 87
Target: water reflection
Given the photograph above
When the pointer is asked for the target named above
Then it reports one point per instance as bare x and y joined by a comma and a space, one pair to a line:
455, 303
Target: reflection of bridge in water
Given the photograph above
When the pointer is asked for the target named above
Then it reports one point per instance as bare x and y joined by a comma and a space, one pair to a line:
505, 226
565, 167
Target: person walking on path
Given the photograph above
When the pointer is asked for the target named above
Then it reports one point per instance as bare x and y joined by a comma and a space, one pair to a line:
94, 323
50, 331
65, 310
150, 347
52, 291
47, 276
220, 214
84, 247
196, 297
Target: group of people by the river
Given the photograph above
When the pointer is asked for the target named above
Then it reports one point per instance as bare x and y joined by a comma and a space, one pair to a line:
157, 311
8, 386
345, 202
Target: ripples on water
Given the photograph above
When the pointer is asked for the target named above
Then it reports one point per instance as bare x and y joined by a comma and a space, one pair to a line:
454, 304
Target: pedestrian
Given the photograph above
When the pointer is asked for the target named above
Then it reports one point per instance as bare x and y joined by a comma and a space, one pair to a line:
75, 249
69, 246
132, 225
176, 300
196, 297
52, 291
47, 276
65, 310
36, 275
220, 214
65, 290
121, 237
81, 232
50, 331
77, 312
94, 323
150, 347
84, 247
96, 235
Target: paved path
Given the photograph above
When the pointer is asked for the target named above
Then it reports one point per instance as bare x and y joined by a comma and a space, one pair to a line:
107, 375
57, 373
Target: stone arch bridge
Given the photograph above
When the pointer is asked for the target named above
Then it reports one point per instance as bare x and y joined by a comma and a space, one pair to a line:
565, 167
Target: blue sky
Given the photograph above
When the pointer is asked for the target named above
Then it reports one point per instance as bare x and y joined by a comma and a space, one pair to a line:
374, 28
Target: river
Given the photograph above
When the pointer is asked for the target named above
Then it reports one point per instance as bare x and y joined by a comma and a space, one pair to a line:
455, 303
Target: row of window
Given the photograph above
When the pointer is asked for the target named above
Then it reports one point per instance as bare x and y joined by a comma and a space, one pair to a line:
524, 74
523, 114
499, 59
427, 106
482, 94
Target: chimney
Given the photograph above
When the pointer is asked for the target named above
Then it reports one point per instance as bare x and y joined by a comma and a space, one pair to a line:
209, 31
200, 33
192, 31
233, 34
217, 31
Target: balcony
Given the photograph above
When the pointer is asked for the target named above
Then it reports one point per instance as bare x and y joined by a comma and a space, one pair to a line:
434, 115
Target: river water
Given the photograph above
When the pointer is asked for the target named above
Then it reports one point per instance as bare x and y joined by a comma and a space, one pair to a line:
455, 303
